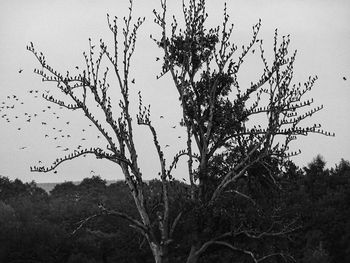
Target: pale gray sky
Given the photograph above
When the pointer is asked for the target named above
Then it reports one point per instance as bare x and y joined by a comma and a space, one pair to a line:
319, 30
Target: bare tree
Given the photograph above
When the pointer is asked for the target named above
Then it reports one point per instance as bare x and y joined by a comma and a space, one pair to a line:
222, 142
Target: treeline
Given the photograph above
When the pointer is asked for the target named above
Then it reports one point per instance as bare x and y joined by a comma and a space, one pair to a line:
39, 227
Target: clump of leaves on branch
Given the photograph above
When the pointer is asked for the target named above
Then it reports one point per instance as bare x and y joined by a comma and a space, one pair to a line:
225, 151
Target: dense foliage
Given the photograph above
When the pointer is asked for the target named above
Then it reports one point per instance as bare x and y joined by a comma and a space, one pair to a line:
39, 227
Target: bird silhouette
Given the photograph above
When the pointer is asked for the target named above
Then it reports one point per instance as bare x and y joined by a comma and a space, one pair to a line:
161, 116
133, 81
344, 78
174, 127
20, 71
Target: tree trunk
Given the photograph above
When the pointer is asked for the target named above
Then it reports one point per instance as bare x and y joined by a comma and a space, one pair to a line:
193, 256
160, 253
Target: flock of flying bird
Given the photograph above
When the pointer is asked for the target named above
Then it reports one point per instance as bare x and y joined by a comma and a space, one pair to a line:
9, 113
13, 111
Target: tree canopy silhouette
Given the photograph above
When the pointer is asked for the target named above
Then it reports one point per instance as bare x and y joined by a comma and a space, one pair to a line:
237, 135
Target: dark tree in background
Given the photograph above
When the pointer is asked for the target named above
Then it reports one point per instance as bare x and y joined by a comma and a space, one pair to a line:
238, 136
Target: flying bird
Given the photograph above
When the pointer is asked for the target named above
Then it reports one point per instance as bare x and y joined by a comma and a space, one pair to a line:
344, 78
133, 81
174, 127
20, 71
161, 116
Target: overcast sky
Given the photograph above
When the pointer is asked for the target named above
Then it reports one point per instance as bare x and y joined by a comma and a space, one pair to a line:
319, 30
